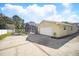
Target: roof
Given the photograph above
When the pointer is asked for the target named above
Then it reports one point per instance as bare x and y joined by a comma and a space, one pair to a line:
32, 23
69, 24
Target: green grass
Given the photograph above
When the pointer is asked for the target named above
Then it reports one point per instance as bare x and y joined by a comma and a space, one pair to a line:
4, 36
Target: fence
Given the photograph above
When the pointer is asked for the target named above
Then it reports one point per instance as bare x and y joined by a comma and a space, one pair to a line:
4, 31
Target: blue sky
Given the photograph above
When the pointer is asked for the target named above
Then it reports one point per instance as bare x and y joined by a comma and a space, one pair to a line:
42, 11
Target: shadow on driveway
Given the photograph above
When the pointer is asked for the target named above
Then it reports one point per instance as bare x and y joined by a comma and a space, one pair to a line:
50, 42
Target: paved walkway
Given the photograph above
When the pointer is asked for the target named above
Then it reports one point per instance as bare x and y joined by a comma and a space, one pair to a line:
19, 46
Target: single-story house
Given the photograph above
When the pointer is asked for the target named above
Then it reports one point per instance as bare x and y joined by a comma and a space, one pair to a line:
56, 29
77, 24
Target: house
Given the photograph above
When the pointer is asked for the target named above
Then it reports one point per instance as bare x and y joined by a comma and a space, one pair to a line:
31, 27
56, 29
77, 24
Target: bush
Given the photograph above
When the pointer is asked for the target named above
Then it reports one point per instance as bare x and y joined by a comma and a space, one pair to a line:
5, 35
19, 30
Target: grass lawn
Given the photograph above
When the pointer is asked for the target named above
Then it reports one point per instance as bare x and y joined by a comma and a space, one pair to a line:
5, 35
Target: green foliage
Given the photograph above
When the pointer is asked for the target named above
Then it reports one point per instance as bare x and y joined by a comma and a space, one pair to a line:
19, 23
15, 22
4, 20
4, 36
3, 26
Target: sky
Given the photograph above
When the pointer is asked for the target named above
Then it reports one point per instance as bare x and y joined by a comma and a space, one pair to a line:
38, 12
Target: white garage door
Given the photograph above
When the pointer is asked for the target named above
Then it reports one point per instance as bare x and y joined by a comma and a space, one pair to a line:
46, 31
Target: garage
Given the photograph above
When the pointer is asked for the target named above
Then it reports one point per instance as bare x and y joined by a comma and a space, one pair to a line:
46, 31
56, 29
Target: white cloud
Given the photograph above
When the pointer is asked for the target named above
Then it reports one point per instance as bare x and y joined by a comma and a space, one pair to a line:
67, 8
41, 11
16, 8
46, 12
66, 5
56, 17
31, 10
73, 18
68, 14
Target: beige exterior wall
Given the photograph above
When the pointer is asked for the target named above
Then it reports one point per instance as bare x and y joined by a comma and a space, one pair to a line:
58, 28
67, 30
49, 25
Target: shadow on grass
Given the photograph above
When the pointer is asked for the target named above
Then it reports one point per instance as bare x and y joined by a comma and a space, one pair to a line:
50, 42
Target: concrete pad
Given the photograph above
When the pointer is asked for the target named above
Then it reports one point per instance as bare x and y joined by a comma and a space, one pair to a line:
17, 45
8, 52
69, 49
12, 41
29, 50
49, 50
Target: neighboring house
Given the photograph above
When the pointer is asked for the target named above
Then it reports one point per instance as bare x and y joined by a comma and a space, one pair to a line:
56, 29
31, 27
77, 24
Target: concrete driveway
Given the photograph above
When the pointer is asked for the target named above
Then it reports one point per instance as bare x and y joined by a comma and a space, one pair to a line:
39, 45
18, 46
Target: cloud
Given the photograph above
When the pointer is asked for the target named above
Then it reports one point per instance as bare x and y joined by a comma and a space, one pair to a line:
67, 8
73, 18
63, 16
68, 14
34, 11
66, 5
10, 7
41, 11
56, 17
38, 13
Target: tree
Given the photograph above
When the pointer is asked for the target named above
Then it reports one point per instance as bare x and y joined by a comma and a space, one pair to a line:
15, 22
5, 21
19, 23
2, 22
